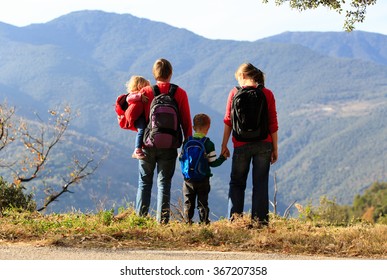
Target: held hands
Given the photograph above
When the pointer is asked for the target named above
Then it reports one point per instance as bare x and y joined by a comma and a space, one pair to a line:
274, 155
225, 152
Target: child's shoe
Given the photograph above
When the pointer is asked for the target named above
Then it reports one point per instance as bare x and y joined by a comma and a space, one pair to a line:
138, 154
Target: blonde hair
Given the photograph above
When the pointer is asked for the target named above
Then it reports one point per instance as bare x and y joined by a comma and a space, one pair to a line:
136, 83
201, 121
252, 72
162, 70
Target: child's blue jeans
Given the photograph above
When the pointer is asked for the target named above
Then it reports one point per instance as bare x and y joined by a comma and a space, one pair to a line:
140, 124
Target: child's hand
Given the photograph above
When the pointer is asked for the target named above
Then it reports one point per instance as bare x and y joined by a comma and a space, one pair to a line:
144, 98
225, 152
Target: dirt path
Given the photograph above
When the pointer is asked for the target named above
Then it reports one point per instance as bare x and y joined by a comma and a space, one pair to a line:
28, 252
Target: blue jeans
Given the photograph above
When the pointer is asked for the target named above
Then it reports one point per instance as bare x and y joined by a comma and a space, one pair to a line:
165, 160
140, 124
260, 154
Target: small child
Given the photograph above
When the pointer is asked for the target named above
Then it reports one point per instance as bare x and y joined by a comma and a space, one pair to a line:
200, 189
135, 101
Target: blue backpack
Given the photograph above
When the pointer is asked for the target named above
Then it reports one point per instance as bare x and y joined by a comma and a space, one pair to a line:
193, 159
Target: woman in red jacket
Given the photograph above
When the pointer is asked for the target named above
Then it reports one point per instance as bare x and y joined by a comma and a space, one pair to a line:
260, 153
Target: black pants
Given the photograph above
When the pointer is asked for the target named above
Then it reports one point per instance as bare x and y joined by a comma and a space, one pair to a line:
196, 190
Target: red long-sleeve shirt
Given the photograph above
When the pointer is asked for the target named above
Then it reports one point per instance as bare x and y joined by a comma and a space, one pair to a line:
273, 122
134, 110
182, 102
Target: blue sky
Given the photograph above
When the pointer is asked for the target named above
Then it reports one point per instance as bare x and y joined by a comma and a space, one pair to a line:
215, 19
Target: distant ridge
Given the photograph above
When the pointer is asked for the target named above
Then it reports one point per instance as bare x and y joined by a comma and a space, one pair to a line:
330, 89
356, 44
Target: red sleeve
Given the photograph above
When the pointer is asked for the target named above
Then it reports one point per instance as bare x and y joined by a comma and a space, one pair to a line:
185, 112
148, 92
133, 112
227, 115
273, 121
133, 97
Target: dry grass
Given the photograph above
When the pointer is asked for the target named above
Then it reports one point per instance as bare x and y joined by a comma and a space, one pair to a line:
291, 236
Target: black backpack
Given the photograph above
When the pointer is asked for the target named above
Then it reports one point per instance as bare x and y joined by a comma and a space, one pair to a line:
249, 115
163, 130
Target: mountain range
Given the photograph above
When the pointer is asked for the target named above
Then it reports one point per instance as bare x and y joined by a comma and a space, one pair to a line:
330, 90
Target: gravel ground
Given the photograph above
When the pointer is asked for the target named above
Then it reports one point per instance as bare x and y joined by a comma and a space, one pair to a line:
28, 252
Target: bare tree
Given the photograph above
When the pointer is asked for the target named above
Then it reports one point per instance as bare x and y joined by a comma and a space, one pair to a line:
6, 135
355, 10
39, 139
80, 170
274, 202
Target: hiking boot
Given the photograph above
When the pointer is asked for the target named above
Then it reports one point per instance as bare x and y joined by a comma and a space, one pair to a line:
206, 222
138, 154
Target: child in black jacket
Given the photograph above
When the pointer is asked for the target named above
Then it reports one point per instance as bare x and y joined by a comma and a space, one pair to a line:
194, 189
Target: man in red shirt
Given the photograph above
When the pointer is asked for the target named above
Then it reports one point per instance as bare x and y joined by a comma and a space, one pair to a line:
165, 158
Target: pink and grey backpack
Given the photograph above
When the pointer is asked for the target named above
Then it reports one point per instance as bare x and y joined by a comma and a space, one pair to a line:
164, 129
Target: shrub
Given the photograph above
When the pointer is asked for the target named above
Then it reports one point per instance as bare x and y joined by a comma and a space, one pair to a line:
328, 212
13, 196
382, 220
372, 205
107, 217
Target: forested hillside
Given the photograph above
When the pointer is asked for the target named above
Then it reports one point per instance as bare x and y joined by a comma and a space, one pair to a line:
331, 101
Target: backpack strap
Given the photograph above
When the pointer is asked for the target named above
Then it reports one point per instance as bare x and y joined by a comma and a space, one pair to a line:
171, 92
203, 140
156, 90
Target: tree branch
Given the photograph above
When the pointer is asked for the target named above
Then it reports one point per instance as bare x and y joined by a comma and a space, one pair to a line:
37, 144
80, 172
287, 211
274, 203
355, 10
6, 115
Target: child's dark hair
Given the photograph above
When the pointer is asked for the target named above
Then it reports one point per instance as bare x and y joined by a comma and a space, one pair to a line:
200, 121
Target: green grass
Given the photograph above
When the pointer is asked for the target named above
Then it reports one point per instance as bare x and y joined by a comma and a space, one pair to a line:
127, 230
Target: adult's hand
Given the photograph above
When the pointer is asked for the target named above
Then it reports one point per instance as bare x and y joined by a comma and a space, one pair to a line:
225, 152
